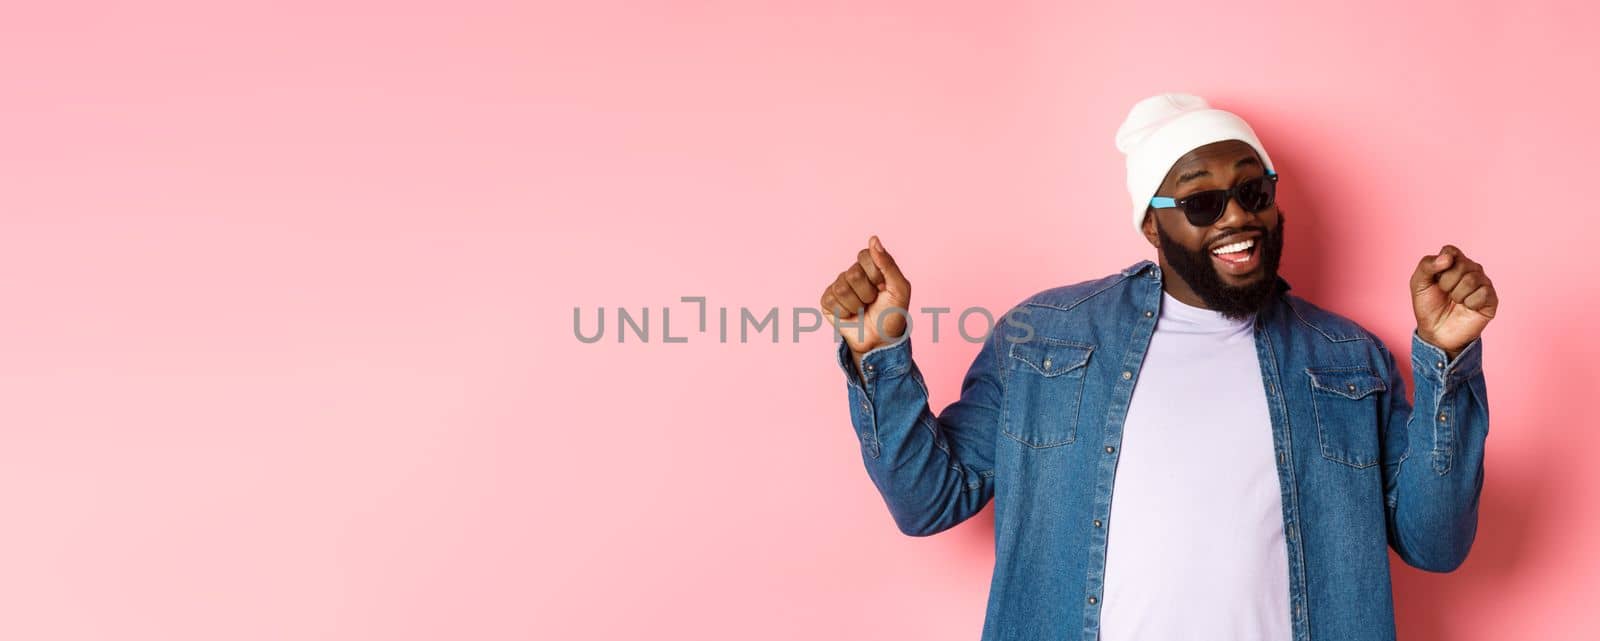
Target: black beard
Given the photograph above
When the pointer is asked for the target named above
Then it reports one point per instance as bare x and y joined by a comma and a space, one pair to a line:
1236, 303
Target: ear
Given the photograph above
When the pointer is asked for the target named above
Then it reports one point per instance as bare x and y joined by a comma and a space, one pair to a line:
1149, 228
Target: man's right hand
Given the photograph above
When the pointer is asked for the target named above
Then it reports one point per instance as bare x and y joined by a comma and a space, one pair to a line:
872, 291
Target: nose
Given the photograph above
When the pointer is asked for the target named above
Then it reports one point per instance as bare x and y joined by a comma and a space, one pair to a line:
1235, 217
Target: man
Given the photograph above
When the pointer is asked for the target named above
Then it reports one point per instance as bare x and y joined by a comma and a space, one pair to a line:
1183, 449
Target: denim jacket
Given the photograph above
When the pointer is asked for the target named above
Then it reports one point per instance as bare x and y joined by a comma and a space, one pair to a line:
1039, 422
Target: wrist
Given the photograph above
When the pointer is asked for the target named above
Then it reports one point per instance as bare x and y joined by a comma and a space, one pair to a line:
1450, 353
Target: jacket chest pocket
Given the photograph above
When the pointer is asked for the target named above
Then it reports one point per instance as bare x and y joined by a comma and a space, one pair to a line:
1346, 401
1044, 391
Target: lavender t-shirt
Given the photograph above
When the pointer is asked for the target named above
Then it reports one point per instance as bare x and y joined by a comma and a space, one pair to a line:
1196, 542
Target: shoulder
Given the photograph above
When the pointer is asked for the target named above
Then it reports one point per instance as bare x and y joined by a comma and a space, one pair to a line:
1070, 296
1331, 326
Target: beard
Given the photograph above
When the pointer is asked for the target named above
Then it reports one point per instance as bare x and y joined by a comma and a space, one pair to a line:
1197, 269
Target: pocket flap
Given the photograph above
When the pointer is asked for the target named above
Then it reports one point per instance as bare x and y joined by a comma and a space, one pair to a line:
1349, 382
1051, 356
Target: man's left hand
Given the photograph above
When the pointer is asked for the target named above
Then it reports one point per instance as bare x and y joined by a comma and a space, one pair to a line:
1453, 300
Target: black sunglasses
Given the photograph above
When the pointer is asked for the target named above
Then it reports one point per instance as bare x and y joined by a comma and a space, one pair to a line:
1204, 207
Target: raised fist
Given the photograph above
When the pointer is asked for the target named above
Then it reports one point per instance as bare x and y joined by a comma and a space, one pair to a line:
873, 291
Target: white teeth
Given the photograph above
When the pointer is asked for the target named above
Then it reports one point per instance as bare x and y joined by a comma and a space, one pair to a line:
1239, 246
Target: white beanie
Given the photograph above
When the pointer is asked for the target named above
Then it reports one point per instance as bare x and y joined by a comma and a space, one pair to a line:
1161, 129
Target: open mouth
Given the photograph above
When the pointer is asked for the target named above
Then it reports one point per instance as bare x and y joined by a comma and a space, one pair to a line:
1237, 258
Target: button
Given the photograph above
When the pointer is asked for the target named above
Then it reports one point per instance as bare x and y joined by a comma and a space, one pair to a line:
869, 367
1352, 387
1047, 363
1127, 375
865, 406
1093, 601
1441, 418
1283, 457
1110, 449
1269, 388
1289, 531
1148, 314
1438, 365
1097, 522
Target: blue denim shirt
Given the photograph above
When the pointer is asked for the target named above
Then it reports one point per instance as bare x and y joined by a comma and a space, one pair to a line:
1039, 423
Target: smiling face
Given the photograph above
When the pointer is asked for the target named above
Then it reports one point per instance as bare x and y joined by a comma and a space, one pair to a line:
1238, 282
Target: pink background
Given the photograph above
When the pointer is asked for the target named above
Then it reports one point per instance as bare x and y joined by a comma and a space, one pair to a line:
286, 349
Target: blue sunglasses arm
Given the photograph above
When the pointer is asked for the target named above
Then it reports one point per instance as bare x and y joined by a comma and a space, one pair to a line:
1162, 202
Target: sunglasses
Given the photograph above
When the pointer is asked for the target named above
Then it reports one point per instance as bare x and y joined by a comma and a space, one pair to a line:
1204, 207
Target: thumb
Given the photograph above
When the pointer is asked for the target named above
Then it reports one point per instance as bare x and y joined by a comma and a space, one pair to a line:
894, 281
1430, 266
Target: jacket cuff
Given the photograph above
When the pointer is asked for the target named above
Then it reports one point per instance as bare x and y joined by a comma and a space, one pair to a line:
892, 359
1430, 361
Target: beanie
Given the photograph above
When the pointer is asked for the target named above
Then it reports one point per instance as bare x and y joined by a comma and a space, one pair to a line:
1161, 129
